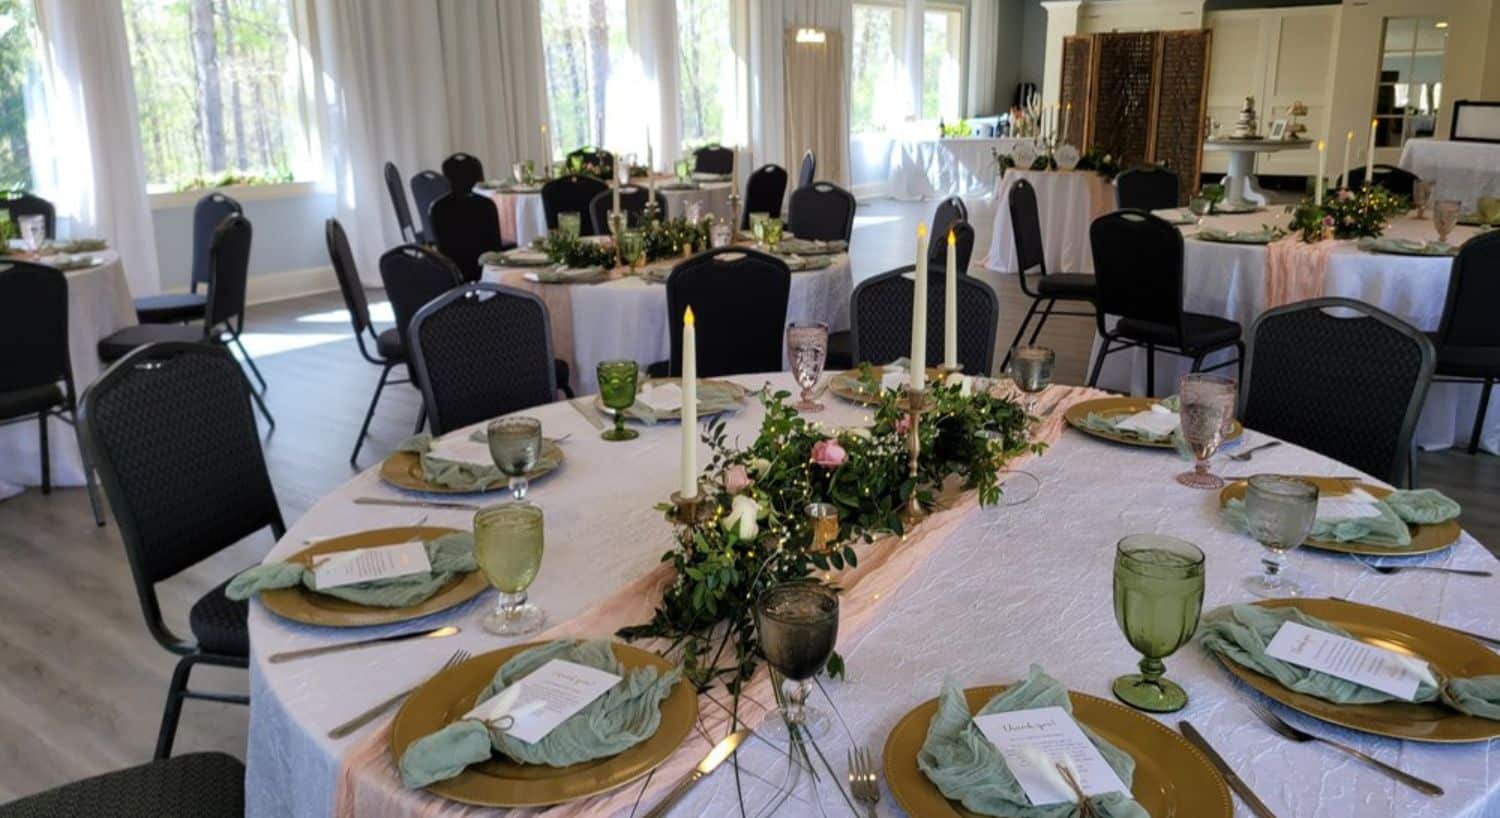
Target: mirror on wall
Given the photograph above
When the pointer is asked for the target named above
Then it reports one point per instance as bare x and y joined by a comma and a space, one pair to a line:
1409, 88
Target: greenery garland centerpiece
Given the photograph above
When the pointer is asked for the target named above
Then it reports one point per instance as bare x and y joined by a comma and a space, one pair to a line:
1097, 161
756, 533
574, 251
1348, 214
665, 238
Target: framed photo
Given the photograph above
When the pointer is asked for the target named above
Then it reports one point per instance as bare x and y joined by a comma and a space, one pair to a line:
1278, 129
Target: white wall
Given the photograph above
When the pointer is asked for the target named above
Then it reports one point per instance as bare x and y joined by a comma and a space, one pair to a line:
1034, 43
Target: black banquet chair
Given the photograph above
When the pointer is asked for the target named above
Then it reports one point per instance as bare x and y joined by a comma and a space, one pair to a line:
19, 204
171, 430
36, 373
949, 211
739, 300
571, 194
1031, 259
713, 158
397, 191
426, 188
388, 352
1468, 337
465, 226
178, 308
807, 171
1397, 180
1342, 378
229, 264
1138, 268
881, 319
633, 200
1153, 188
821, 210
463, 171
764, 192
481, 351
196, 785
414, 275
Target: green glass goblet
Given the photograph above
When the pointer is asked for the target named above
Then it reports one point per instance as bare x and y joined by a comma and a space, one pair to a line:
617, 385
1158, 598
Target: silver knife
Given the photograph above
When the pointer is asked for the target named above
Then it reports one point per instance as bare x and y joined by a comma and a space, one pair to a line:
288, 655
1230, 777
724, 749
588, 413
380, 501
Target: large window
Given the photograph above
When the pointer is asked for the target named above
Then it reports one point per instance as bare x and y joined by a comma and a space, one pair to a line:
216, 86
16, 74
942, 61
1409, 90
586, 45
875, 96
708, 71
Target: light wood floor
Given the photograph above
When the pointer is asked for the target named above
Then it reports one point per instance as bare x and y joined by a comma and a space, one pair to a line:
81, 682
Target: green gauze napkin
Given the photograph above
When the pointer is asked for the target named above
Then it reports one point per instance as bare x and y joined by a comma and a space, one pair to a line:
623, 717
450, 474
1241, 633
449, 554
1111, 423
966, 767
1423, 507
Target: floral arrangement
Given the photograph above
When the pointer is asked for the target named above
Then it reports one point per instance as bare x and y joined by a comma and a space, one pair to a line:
1214, 194
1097, 161
665, 237
1347, 214
959, 128
756, 532
572, 251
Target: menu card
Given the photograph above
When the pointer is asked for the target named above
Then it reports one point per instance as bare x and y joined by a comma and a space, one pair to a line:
1156, 421
1033, 742
370, 564
662, 397
545, 698
1354, 505
894, 379
1378, 668
463, 449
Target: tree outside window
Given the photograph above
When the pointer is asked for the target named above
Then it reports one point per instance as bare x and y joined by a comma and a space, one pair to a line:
583, 42
706, 72
874, 97
17, 28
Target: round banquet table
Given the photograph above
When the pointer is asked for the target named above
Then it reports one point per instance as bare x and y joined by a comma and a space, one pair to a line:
951, 166
99, 303
626, 317
1067, 202
1460, 170
1008, 587
1231, 280
523, 220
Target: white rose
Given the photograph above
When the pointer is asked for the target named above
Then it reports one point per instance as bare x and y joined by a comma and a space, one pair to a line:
857, 431
743, 511
759, 467
964, 382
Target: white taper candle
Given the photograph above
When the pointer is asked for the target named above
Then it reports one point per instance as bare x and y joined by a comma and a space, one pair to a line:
950, 305
689, 488
919, 314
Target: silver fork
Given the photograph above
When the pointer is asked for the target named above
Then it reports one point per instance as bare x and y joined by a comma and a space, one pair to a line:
1396, 569
864, 780
1250, 452
458, 658
1291, 733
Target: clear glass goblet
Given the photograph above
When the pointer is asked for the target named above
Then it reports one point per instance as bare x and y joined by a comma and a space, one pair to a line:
807, 346
508, 542
1158, 598
33, 229
515, 446
1019, 486
1280, 512
1031, 369
1206, 414
797, 624
1421, 194
570, 223
1445, 217
1199, 206
617, 387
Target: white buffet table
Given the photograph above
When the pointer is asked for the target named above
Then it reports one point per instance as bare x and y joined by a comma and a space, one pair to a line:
1229, 280
934, 168
1067, 202
523, 220
1010, 587
1461, 170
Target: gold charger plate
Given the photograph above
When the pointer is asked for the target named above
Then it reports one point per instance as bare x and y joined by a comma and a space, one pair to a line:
1078, 412
310, 607
735, 390
1425, 539
1450, 653
847, 385
404, 471
501, 782
1171, 777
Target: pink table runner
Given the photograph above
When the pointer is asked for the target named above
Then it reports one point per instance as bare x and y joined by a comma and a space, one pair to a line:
1295, 270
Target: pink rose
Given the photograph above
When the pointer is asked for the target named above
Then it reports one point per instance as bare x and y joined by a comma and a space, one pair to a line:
736, 479
1345, 194
829, 454
903, 425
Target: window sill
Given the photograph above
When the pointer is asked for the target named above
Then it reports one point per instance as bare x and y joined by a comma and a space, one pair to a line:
243, 193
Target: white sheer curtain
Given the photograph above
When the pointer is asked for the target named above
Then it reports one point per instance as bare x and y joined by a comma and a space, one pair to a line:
85, 144
653, 34
495, 78
984, 40
769, 20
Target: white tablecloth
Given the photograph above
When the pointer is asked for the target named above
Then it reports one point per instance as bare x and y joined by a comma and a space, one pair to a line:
1013, 586
1067, 202
523, 220
936, 168
1462, 170
1229, 280
627, 317
99, 303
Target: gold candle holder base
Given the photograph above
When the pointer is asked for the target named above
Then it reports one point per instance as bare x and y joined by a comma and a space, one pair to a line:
916, 406
690, 511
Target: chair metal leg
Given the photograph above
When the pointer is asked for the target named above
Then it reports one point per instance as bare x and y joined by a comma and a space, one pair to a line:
1099, 363
1150, 371
1239, 360
250, 362
1484, 405
369, 414
1197, 363
88, 474
1043, 320
1020, 333
421, 420
176, 692
260, 403
41, 425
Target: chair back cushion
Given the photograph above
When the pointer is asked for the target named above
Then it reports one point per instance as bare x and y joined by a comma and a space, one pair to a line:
963, 246
414, 275
713, 159
1138, 266
482, 351
465, 226
821, 210
173, 435
1340, 377
764, 192
426, 188
33, 326
571, 194
1469, 318
463, 171
881, 319
208, 214
808, 170
1396, 180
1146, 189
739, 300
397, 192
229, 271
344, 269
1026, 228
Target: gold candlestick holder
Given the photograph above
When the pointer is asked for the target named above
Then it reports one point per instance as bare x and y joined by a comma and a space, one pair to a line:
916, 406
616, 222
690, 511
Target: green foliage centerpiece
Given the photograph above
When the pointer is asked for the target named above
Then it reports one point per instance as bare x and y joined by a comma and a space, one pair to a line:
1347, 214
755, 532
